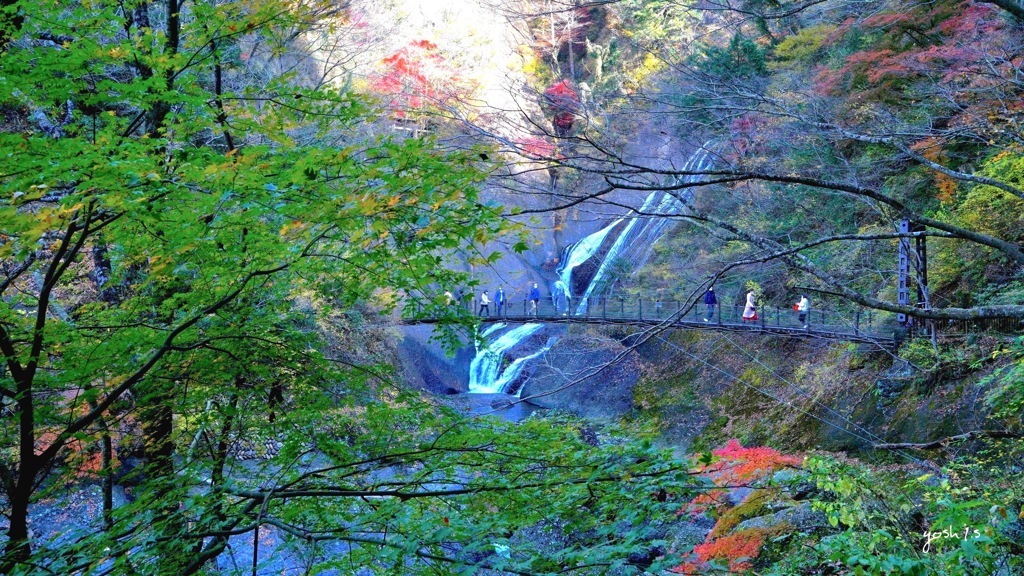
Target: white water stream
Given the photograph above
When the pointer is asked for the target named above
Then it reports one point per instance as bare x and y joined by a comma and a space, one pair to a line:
634, 244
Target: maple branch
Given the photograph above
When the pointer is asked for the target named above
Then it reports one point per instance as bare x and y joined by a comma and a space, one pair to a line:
802, 263
1008, 248
890, 141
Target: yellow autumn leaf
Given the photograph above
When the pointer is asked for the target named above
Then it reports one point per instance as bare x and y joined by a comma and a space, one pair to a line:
291, 227
158, 263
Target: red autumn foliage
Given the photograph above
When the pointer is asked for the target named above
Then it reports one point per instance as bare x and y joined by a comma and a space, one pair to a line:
745, 137
418, 74
745, 464
734, 466
735, 550
941, 42
563, 102
536, 147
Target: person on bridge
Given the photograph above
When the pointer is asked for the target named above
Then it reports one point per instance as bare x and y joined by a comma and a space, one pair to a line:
485, 303
750, 311
560, 297
534, 299
802, 308
711, 302
499, 300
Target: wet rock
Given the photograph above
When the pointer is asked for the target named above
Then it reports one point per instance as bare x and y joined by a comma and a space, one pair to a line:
588, 435
895, 380
683, 536
579, 376
426, 367
646, 558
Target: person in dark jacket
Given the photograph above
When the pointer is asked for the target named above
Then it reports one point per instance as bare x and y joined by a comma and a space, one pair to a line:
534, 299
711, 302
499, 300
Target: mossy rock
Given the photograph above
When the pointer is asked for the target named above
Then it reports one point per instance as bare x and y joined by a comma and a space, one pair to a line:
757, 503
800, 517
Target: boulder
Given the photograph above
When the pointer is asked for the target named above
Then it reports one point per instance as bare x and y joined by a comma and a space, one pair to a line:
578, 376
800, 518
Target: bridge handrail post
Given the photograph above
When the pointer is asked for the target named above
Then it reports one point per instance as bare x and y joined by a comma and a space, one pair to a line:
640, 308
719, 314
778, 316
856, 323
622, 306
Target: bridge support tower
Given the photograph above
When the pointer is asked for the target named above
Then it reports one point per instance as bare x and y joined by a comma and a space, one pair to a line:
920, 267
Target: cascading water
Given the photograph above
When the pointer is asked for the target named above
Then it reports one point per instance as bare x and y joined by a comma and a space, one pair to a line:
582, 251
510, 374
483, 370
633, 243
643, 230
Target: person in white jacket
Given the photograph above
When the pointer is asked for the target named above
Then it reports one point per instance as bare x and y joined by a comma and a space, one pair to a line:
485, 303
750, 310
802, 308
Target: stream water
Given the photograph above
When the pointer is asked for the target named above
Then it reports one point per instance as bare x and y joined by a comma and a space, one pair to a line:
490, 373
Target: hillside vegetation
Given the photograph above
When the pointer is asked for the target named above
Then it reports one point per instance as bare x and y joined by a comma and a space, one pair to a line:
212, 212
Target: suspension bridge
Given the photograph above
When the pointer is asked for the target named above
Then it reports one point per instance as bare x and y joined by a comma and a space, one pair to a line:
858, 327
866, 326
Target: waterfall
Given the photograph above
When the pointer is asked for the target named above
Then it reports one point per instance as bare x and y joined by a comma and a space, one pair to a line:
510, 374
644, 229
483, 370
582, 251
634, 243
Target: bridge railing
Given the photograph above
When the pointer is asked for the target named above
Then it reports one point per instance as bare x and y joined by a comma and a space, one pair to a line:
621, 308
841, 321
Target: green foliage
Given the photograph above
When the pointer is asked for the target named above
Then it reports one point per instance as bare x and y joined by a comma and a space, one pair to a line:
989, 210
741, 58
1005, 385
885, 524
194, 270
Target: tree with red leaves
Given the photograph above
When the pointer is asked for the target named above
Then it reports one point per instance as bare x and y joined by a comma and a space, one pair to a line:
418, 75
563, 103
734, 465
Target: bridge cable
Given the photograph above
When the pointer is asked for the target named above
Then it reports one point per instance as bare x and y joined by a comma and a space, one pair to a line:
906, 497
788, 403
875, 437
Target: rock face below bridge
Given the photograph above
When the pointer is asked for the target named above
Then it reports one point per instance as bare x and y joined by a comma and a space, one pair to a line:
426, 367
577, 375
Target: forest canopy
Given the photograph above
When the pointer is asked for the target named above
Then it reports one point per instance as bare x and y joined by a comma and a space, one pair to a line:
207, 232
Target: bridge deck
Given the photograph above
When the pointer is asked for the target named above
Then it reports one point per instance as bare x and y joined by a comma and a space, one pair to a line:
839, 332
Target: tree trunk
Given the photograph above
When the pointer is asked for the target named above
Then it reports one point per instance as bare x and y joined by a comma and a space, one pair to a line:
156, 417
11, 20
107, 470
17, 549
